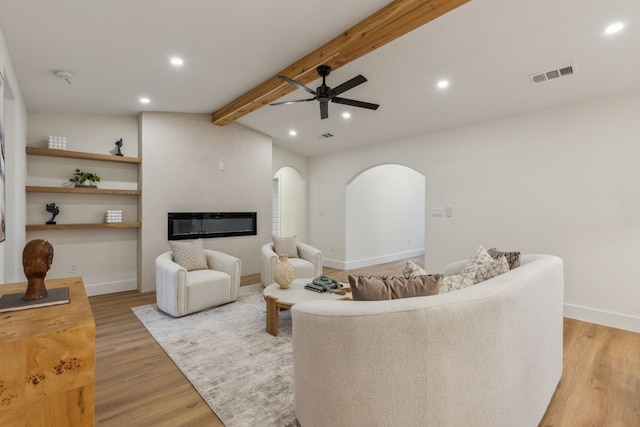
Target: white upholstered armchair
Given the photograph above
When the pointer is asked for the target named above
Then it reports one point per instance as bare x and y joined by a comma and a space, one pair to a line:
180, 292
307, 264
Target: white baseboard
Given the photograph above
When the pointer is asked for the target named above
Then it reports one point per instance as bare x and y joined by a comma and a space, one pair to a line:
606, 318
350, 265
328, 262
111, 287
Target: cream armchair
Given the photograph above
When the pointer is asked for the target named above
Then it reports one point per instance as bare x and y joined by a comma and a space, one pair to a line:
308, 263
180, 292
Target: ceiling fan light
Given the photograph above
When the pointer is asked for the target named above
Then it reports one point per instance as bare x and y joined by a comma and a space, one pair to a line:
176, 61
324, 94
292, 132
442, 84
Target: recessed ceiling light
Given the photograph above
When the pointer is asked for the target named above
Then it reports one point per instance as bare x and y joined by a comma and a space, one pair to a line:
176, 61
144, 100
293, 132
443, 84
346, 115
614, 28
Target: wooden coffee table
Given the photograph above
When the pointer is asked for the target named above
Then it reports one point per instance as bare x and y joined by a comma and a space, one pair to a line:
283, 299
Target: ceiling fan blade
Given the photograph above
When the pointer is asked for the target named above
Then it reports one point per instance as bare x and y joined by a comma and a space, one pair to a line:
350, 84
292, 102
324, 109
355, 103
295, 83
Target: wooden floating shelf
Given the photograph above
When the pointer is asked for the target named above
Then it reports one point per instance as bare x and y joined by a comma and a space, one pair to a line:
81, 190
39, 151
38, 227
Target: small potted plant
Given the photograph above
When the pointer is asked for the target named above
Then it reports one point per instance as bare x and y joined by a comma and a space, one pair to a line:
79, 178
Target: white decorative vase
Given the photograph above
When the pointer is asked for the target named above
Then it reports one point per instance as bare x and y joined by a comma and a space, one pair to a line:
284, 273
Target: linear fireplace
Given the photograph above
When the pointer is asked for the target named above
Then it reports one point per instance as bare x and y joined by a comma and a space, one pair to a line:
193, 225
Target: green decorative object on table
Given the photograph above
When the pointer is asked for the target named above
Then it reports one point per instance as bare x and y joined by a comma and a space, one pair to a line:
327, 283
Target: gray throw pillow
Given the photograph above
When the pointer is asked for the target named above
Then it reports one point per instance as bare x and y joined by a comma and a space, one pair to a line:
513, 258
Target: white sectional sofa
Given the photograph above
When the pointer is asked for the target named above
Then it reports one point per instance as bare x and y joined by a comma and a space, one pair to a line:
488, 355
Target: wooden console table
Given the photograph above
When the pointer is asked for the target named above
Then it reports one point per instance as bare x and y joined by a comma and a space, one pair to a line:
47, 361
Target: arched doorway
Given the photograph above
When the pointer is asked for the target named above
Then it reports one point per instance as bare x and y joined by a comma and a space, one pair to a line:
289, 204
385, 215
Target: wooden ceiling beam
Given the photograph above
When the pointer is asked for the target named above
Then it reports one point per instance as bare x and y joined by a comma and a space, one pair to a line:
387, 24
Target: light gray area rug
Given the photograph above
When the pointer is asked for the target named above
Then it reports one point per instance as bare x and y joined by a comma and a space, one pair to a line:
241, 371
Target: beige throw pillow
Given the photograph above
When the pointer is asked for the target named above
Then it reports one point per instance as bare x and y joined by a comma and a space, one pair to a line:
412, 269
376, 288
189, 254
285, 245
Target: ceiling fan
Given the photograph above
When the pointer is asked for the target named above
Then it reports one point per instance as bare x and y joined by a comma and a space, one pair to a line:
324, 93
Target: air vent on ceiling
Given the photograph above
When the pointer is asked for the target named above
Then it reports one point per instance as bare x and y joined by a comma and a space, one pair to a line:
552, 74
326, 135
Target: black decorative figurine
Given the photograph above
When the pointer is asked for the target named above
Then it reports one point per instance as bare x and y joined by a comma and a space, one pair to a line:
53, 210
119, 144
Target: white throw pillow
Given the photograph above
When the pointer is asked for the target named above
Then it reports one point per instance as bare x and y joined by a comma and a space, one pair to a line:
479, 257
459, 281
412, 270
189, 254
487, 270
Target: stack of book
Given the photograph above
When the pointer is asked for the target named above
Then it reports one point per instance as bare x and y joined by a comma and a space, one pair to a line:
321, 288
314, 288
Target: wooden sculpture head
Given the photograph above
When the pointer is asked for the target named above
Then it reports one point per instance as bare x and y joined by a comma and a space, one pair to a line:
37, 258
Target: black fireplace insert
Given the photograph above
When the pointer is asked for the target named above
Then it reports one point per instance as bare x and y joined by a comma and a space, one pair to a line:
193, 225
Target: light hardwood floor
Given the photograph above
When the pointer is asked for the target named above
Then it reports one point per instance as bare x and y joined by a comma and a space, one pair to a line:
138, 384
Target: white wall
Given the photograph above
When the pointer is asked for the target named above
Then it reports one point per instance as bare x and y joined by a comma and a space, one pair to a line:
106, 259
85, 132
15, 162
283, 157
384, 217
180, 157
562, 181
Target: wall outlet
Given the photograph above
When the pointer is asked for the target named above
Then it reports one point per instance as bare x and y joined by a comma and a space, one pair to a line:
436, 212
73, 268
448, 211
